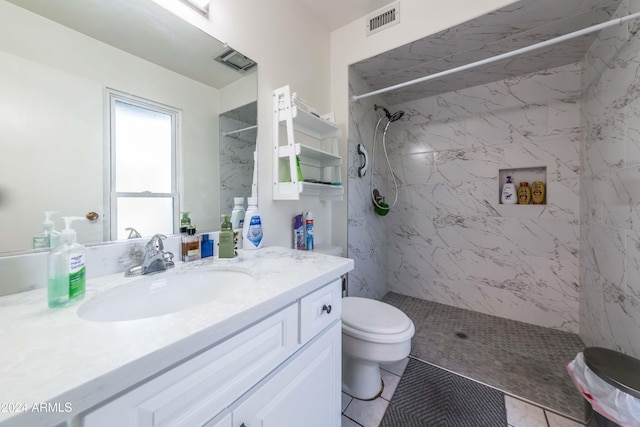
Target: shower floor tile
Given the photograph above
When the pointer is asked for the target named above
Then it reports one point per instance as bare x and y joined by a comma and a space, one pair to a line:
518, 358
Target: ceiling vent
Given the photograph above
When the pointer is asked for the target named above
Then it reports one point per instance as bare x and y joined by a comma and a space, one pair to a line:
383, 18
236, 60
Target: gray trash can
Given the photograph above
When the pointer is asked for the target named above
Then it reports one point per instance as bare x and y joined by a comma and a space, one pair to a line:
617, 369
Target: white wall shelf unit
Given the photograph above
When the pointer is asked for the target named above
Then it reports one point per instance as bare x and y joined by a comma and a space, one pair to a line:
320, 166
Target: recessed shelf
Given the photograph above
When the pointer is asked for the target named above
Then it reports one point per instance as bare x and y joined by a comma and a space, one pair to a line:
523, 174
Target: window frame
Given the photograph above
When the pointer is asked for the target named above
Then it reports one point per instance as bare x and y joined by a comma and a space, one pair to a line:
111, 202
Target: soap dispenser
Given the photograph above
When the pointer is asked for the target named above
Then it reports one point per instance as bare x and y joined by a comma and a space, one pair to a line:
226, 244
66, 268
46, 239
509, 193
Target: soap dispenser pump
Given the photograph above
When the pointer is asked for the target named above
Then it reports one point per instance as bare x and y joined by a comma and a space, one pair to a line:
66, 268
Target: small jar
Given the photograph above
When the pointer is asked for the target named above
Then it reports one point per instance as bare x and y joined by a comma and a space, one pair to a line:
524, 193
537, 192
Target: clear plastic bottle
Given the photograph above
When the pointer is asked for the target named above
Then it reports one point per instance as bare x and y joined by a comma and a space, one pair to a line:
46, 239
252, 233
66, 268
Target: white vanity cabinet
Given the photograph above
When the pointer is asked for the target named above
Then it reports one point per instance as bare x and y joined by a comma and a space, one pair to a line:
282, 371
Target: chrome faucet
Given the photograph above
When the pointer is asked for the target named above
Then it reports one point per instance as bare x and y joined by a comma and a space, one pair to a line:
155, 258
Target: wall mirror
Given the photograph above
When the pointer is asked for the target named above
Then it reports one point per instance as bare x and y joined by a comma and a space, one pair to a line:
59, 64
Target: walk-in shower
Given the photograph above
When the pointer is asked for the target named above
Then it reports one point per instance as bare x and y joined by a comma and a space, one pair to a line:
381, 207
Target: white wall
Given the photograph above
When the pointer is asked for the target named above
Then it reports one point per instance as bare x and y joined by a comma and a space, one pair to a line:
52, 81
290, 47
418, 18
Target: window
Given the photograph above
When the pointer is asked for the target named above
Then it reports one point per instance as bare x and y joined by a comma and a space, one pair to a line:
142, 173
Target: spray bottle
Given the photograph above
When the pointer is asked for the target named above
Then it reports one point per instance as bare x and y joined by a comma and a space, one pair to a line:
66, 268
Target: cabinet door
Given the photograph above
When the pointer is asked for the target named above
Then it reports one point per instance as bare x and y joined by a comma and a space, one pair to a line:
305, 392
202, 387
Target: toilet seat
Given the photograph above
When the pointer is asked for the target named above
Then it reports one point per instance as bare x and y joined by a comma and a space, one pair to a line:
375, 321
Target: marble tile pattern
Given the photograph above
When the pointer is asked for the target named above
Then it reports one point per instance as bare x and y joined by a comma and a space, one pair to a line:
367, 244
610, 189
514, 26
449, 240
57, 356
236, 156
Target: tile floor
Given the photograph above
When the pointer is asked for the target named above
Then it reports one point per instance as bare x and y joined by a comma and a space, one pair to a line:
526, 362
359, 413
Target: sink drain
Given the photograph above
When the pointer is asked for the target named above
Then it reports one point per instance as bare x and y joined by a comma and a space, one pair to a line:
462, 335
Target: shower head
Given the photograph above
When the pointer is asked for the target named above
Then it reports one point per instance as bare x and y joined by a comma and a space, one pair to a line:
391, 117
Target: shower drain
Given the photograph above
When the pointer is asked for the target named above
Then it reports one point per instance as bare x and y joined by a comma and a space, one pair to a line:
462, 335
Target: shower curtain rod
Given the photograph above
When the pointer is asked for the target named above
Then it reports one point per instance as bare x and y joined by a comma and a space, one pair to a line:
588, 30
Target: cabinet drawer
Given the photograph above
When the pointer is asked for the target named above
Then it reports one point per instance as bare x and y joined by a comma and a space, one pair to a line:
195, 391
319, 309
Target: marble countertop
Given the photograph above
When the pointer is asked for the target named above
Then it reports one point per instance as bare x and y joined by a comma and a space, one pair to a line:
52, 355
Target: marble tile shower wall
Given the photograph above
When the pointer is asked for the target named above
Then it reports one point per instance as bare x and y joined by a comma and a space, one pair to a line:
610, 189
366, 234
449, 240
236, 162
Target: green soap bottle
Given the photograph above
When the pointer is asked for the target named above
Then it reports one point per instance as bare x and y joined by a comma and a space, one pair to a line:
66, 268
226, 244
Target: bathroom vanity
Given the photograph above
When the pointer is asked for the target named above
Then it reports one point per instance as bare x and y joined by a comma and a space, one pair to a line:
265, 355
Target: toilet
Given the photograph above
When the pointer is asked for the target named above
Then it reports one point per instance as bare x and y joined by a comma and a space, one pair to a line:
373, 332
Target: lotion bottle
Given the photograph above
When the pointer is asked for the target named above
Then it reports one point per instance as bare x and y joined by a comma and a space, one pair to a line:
252, 235
508, 196
66, 268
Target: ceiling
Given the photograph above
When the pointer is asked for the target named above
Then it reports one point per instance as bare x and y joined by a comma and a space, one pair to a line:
145, 29
520, 24
334, 14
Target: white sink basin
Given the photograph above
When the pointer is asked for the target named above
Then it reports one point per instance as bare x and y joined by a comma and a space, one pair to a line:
163, 293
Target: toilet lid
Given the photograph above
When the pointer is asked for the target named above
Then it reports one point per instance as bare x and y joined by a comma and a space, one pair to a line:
373, 316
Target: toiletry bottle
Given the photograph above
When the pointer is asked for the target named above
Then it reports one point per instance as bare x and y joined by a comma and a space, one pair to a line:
43, 240
308, 231
185, 222
524, 193
237, 214
226, 244
509, 193
298, 233
252, 234
66, 268
206, 246
298, 169
537, 192
190, 245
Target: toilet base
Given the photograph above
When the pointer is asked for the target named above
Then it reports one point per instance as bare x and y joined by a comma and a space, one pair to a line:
361, 379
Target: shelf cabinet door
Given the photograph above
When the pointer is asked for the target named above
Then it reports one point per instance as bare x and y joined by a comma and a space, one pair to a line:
306, 392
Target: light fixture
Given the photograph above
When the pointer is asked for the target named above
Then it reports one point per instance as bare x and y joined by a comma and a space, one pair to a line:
236, 60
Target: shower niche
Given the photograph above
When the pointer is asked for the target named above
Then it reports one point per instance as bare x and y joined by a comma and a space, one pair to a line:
528, 175
305, 144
